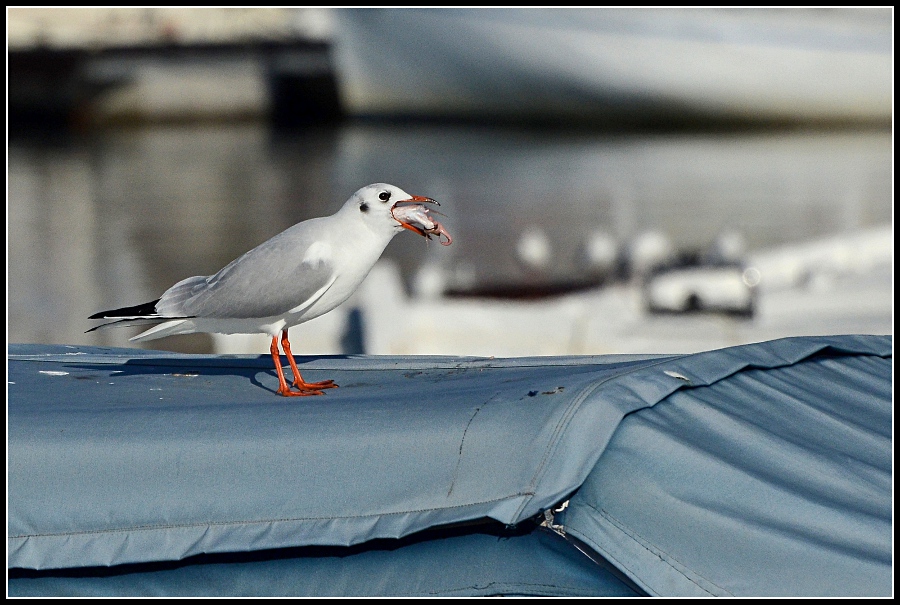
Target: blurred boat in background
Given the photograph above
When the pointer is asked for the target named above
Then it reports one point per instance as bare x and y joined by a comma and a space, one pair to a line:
615, 66
597, 66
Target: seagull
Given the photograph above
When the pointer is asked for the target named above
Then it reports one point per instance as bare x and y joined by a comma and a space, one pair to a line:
299, 274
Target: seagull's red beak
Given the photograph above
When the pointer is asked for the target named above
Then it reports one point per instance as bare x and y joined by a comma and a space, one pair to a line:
420, 199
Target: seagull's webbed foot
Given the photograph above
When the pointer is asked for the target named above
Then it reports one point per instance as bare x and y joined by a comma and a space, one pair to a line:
325, 384
285, 391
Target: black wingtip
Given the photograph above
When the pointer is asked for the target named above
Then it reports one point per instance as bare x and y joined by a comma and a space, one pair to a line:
143, 310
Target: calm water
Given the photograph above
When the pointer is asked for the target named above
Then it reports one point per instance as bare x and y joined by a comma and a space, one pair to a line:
115, 218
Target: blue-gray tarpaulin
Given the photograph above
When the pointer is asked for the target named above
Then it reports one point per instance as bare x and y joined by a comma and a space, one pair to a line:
754, 470
464, 563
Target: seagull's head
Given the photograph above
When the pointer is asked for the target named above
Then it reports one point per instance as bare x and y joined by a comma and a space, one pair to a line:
384, 206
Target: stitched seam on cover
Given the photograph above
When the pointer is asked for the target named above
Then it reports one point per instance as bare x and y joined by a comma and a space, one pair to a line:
259, 521
512, 585
655, 550
567, 418
619, 563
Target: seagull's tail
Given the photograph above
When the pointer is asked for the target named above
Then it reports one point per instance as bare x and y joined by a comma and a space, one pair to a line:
169, 327
124, 323
145, 310
142, 315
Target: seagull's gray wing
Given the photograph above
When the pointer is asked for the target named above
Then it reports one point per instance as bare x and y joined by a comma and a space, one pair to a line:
267, 281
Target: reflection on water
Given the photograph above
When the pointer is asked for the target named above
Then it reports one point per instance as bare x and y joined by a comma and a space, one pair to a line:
116, 217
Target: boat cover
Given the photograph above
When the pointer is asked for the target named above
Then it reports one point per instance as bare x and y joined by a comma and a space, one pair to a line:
763, 469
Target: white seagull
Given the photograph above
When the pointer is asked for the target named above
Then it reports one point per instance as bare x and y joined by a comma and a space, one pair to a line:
298, 275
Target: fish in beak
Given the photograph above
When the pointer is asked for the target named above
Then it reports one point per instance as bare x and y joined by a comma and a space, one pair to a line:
413, 214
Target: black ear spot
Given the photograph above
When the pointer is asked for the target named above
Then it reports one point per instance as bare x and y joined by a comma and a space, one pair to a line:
384, 196
364, 207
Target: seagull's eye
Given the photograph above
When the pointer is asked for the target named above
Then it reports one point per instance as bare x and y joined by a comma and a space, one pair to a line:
384, 196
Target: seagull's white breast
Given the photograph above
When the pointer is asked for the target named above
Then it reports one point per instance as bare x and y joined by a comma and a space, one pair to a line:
351, 258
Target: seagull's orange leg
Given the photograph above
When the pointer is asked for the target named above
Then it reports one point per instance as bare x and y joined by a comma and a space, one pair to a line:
283, 388
298, 379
